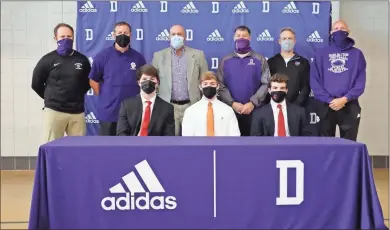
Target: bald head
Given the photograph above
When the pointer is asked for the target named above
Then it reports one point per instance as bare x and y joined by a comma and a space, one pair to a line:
340, 25
177, 30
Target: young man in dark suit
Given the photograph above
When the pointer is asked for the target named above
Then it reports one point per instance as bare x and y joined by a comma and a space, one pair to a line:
279, 118
146, 114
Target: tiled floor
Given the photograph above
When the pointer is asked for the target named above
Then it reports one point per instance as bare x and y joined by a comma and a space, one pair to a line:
16, 188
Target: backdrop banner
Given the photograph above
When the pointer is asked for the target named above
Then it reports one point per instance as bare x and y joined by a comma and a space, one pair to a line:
209, 27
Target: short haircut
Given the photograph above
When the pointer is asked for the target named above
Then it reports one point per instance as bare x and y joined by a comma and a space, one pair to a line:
243, 28
62, 25
279, 78
209, 75
122, 23
149, 70
287, 29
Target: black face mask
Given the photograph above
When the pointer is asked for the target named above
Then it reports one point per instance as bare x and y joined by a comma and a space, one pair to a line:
148, 86
122, 40
209, 91
278, 96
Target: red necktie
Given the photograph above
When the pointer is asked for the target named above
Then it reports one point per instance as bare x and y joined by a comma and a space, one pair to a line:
281, 127
146, 120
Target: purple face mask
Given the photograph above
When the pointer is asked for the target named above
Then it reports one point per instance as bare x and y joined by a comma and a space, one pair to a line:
339, 36
242, 46
65, 46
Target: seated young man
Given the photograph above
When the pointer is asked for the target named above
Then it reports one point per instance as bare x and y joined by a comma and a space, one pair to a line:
146, 114
209, 116
279, 118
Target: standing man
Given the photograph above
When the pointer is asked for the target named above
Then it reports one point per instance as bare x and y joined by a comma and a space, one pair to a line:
180, 68
338, 79
210, 116
294, 66
279, 118
113, 77
61, 79
243, 76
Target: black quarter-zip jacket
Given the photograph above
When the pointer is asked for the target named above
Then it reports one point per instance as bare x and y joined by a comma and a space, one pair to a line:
298, 71
62, 81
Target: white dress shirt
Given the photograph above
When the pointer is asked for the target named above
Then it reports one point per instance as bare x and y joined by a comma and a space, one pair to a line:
195, 119
275, 110
144, 105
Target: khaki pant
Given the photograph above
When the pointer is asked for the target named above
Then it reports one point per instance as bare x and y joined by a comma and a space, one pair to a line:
179, 114
57, 123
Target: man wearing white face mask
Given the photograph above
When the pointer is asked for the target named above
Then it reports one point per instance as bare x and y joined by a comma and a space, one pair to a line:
296, 67
180, 68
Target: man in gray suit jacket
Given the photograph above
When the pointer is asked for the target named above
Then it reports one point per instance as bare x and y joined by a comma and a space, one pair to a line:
180, 68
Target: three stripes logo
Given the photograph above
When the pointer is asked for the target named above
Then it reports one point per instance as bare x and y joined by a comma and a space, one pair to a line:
265, 36
240, 8
315, 37
87, 8
291, 8
190, 9
91, 118
139, 7
131, 200
110, 37
215, 36
163, 36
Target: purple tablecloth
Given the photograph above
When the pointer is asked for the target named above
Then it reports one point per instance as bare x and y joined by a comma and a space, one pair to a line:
178, 182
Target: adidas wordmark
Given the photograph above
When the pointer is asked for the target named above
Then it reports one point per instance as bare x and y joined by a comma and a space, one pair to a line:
240, 8
131, 200
291, 8
139, 7
163, 36
315, 37
91, 118
88, 8
215, 36
190, 9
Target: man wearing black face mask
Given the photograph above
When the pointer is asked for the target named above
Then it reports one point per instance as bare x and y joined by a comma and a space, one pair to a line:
279, 118
338, 79
113, 77
146, 114
61, 79
209, 116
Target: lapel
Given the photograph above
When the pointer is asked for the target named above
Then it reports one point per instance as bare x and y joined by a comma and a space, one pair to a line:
290, 115
168, 64
138, 116
190, 65
270, 114
156, 112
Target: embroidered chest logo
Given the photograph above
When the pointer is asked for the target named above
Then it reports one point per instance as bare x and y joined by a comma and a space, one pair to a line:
338, 62
297, 63
132, 66
251, 62
78, 66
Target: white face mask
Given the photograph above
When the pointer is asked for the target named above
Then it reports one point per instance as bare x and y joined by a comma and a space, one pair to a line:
177, 42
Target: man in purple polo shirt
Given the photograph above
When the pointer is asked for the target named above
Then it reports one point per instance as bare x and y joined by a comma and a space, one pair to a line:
113, 77
243, 77
338, 79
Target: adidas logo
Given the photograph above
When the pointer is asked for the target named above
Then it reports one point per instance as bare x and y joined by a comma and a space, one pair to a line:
215, 37
265, 36
91, 118
88, 7
131, 201
291, 8
240, 8
315, 37
163, 36
139, 7
190, 9
110, 37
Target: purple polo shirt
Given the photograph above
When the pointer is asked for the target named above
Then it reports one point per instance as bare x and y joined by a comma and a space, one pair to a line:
116, 73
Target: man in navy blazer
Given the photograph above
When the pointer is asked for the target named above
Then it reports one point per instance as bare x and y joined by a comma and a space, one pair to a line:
279, 118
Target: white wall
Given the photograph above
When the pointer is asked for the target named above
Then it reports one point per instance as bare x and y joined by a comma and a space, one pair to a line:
26, 35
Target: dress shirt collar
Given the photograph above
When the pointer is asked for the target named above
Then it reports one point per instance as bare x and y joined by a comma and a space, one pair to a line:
153, 99
206, 100
275, 105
